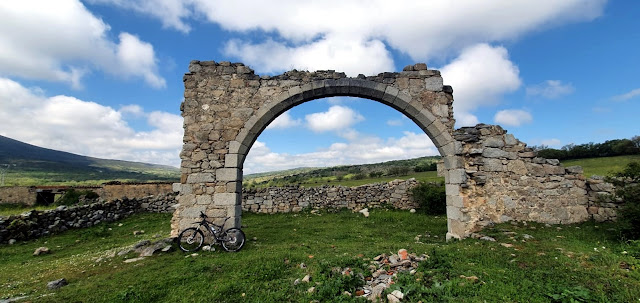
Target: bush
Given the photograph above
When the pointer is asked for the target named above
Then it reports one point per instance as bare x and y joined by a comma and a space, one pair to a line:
627, 185
431, 197
72, 197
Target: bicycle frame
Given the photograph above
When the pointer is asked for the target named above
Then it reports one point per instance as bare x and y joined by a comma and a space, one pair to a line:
214, 229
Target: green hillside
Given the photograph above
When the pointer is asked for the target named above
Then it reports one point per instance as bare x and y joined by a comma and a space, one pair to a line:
26, 164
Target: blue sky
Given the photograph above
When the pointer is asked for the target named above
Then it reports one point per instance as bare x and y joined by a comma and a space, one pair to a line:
104, 77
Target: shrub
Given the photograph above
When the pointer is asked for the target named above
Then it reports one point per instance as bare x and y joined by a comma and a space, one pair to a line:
627, 185
72, 197
431, 197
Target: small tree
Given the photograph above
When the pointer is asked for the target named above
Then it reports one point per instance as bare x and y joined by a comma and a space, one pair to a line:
431, 197
627, 185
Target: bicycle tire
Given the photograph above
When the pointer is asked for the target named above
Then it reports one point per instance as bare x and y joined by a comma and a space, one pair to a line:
233, 240
190, 239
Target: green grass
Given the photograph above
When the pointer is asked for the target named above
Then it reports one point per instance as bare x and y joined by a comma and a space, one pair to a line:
602, 166
10, 209
430, 176
567, 262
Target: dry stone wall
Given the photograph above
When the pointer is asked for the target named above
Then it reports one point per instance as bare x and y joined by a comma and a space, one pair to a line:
294, 198
34, 224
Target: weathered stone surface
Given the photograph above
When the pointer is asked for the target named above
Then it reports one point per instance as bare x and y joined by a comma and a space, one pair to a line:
57, 284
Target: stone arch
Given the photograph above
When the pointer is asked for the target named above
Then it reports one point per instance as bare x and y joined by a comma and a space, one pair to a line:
227, 106
490, 176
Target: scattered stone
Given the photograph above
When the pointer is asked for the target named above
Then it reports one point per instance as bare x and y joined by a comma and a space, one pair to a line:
57, 284
403, 254
167, 248
527, 237
12, 241
207, 248
507, 245
306, 279
254, 238
348, 294
398, 294
303, 266
138, 232
41, 251
413, 210
141, 244
364, 212
487, 238
296, 282
392, 299
133, 260
470, 278
311, 289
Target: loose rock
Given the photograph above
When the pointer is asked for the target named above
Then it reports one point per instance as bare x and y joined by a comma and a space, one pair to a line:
57, 283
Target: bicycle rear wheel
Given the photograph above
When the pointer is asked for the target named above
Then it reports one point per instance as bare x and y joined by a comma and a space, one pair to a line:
233, 239
190, 239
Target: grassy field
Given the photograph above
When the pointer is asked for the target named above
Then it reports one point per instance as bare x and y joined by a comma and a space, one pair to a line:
580, 262
602, 166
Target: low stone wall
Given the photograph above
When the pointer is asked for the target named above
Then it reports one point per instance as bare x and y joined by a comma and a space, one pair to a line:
35, 224
294, 199
110, 192
18, 195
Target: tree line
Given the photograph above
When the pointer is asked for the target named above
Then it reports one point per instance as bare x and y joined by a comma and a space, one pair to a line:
616, 147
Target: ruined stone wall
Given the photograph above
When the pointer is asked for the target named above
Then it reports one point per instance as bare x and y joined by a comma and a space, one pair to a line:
110, 192
18, 195
601, 206
503, 180
294, 198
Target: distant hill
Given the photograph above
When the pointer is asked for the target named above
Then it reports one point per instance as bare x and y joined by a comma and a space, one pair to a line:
26, 164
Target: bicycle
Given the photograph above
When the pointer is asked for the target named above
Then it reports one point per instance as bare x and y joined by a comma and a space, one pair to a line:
192, 238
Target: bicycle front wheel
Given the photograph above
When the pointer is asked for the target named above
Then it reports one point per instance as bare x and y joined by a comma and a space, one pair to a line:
190, 239
233, 240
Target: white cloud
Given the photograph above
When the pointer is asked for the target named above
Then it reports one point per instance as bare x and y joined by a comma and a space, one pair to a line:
331, 52
465, 119
480, 76
61, 41
550, 89
552, 142
170, 12
349, 35
512, 117
624, 97
284, 121
87, 128
335, 119
358, 150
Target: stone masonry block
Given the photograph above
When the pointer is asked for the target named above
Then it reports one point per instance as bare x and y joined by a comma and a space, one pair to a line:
435, 129
390, 94
455, 213
226, 199
413, 109
200, 178
433, 84
452, 189
425, 118
236, 147
228, 174
455, 201
192, 212
456, 229
233, 160
401, 101
203, 199
457, 176
453, 162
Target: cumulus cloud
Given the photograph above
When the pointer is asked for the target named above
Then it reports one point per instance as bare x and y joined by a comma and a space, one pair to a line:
284, 121
87, 128
550, 89
512, 117
335, 119
624, 97
480, 76
69, 42
360, 150
350, 34
332, 51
